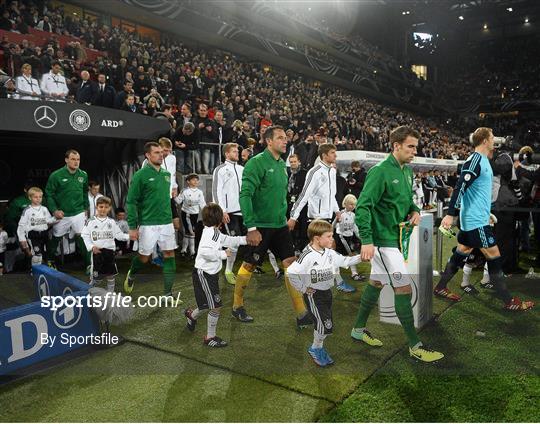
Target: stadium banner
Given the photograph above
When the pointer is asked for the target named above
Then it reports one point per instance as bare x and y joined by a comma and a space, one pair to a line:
375, 157
32, 333
77, 119
419, 266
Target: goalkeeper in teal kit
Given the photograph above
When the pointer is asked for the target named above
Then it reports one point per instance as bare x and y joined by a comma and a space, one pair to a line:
472, 196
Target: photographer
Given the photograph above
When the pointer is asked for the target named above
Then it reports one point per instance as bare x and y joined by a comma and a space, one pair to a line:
186, 144
529, 181
506, 195
355, 179
208, 138
238, 135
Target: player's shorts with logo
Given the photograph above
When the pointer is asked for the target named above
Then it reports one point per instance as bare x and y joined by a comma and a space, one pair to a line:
206, 287
388, 267
475, 258
277, 240
38, 242
346, 245
69, 225
189, 223
235, 227
481, 237
319, 304
152, 235
103, 264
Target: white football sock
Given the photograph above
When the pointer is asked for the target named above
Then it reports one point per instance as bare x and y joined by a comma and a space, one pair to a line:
318, 340
273, 261
213, 317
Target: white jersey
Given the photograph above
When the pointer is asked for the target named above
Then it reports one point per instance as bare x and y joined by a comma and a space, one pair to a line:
168, 164
210, 254
3, 241
101, 232
92, 202
192, 200
226, 185
317, 269
346, 227
52, 83
34, 218
123, 225
319, 193
26, 86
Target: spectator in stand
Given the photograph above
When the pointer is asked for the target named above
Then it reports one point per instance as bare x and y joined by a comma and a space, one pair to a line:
121, 96
54, 84
5, 22
106, 94
27, 86
45, 25
130, 105
87, 90
155, 98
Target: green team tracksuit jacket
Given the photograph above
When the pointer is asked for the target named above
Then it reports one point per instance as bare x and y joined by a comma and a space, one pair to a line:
67, 192
384, 203
263, 197
14, 212
149, 198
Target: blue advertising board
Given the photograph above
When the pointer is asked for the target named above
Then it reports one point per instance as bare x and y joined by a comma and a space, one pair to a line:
32, 333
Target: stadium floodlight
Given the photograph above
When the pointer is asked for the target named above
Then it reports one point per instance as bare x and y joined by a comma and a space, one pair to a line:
526, 20
461, 17
509, 9
485, 26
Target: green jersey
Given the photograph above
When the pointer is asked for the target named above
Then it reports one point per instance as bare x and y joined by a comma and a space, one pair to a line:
384, 203
263, 197
67, 192
149, 197
14, 212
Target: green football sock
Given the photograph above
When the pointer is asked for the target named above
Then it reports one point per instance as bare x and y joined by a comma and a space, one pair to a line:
82, 248
367, 302
405, 314
52, 245
169, 269
136, 265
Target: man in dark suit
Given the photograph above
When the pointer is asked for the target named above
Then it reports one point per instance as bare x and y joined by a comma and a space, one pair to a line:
297, 178
87, 89
106, 94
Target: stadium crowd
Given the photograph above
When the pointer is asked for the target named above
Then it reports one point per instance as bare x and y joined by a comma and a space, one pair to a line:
173, 74
494, 71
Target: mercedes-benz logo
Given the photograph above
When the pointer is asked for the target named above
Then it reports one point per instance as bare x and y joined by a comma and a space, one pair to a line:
45, 117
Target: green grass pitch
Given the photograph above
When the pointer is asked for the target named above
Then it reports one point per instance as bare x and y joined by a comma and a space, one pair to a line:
165, 373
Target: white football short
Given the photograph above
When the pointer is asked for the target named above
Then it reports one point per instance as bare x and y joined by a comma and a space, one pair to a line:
160, 235
388, 267
69, 224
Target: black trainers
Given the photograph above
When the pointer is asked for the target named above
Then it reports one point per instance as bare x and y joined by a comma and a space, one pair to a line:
358, 277
258, 270
215, 342
304, 322
241, 315
487, 286
279, 274
191, 322
469, 289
